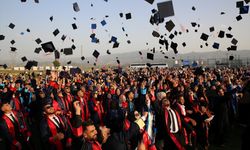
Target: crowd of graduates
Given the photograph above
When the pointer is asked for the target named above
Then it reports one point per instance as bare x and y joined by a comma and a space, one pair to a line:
123, 109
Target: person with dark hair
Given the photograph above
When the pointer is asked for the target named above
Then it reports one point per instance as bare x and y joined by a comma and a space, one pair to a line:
13, 128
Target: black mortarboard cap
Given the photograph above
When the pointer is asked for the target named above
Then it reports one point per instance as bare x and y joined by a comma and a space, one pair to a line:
36, 1
118, 61
73, 47
116, 44
108, 52
206, 44
153, 11
231, 57
128, 41
74, 26
11, 25
193, 8
204, 37
165, 9
5, 66
161, 41
229, 28
150, 56
37, 50
238, 18
228, 35
222, 13
184, 44
114, 39
216, 45
150, 1
174, 47
28, 30
29, 65
140, 52
57, 54
51, 18
155, 34
103, 23
221, 34
244, 9
121, 15
232, 48
38, 41
93, 26
35, 63
13, 49
128, 16
166, 57
96, 54
234, 41
149, 65
24, 59
56, 32
69, 62
195, 30
68, 51
76, 7
12, 42
239, 4
82, 58
63, 37
169, 25
48, 47
193, 24
2, 37
211, 29
171, 36
23, 0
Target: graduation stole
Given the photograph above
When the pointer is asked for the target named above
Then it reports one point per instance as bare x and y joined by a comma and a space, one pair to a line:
174, 139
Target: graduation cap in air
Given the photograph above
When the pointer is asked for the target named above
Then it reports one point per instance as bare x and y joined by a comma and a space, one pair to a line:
38, 41
28, 30
234, 41
121, 15
103, 23
113, 39
204, 37
69, 62
73, 47
140, 52
96, 54
150, 1
221, 34
68, 51
118, 61
232, 48
56, 32
48, 47
184, 44
5, 66
155, 34
171, 36
153, 11
228, 35
74, 26
29, 65
238, 18
216, 45
128, 16
82, 58
169, 25
193, 24
128, 41
222, 13
23, 1
76, 7
244, 9
247, 1
165, 9
63, 37
93, 26
116, 44
57, 54
12, 42
37, 50
239, 4
150, 56
13, 49
229, 28
36, 1
166, 57
231, 57
193, 8
2, 37
211, 29
24, 59
174, 46
108, 52
11, 25
51, 18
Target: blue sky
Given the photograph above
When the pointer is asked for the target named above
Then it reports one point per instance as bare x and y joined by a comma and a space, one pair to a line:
36, 17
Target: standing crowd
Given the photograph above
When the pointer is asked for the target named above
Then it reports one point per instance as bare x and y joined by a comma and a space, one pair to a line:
123, 109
